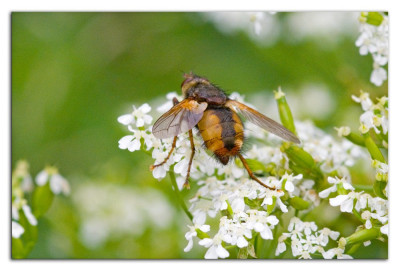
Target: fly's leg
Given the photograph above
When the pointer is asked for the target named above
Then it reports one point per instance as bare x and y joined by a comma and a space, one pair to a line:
246, 166
152, 167
186, 184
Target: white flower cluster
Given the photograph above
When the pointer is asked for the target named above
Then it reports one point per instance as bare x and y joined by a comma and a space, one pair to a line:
375, 40
332, 154
110, 211
260, 26
305, 239
228, 189
373, 210
22, 183
58, 184
237, 231
375, 115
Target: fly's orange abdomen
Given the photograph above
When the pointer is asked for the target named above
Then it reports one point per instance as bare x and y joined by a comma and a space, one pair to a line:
222, 132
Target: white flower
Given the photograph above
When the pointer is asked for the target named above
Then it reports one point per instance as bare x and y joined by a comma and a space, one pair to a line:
375, 40
335, 181
192, 233
281, 247
234, 231
28, 214
325, 234
132, 142
215, 248
346, 202
58, 184
385, 229
16, 229
260, 222
338, 252
370, 120
364, 99
200, 210
288, 180
366, 215
138, 116
343, 131
169, 104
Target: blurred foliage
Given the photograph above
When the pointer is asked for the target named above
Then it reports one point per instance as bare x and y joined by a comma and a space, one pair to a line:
73, 74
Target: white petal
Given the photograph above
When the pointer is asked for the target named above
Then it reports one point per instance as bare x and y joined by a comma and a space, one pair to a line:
385, 229
347, 206
189, 246
368, 224
181, 167
266, 234
159, 173
16, 229
325, 193
126, 119
281, 205
206, 242
289, 186
28, 213
147, 119
258, 227
134, 145
199, 218
328, 254
145, 108
139, 122
237, 172
242, 242
238, 205
205, 228
338, 200
347, 186
280, 248
41, 178
124, 143
222, 252
272, 220
56, 183
211, 253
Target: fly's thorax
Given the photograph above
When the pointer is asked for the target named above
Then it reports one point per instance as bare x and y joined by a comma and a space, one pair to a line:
222, 132
202, 90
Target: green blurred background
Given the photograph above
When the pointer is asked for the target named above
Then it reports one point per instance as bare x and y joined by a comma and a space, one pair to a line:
73, 74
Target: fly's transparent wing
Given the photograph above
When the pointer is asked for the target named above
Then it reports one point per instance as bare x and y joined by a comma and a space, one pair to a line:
179, 119
262, 121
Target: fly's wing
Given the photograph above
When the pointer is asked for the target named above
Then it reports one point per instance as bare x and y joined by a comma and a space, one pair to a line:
179, 119
262, 121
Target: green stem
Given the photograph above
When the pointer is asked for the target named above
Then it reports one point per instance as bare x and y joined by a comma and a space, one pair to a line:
362, 187
373, 148
178, 195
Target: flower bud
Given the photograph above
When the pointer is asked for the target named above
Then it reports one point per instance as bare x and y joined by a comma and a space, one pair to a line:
363, 235
373, 18
284, 111
299, 203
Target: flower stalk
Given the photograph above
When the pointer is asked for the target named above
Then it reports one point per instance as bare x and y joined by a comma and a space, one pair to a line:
178, 195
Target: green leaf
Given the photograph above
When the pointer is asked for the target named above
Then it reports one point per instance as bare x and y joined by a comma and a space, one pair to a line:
17, 249
42, 199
